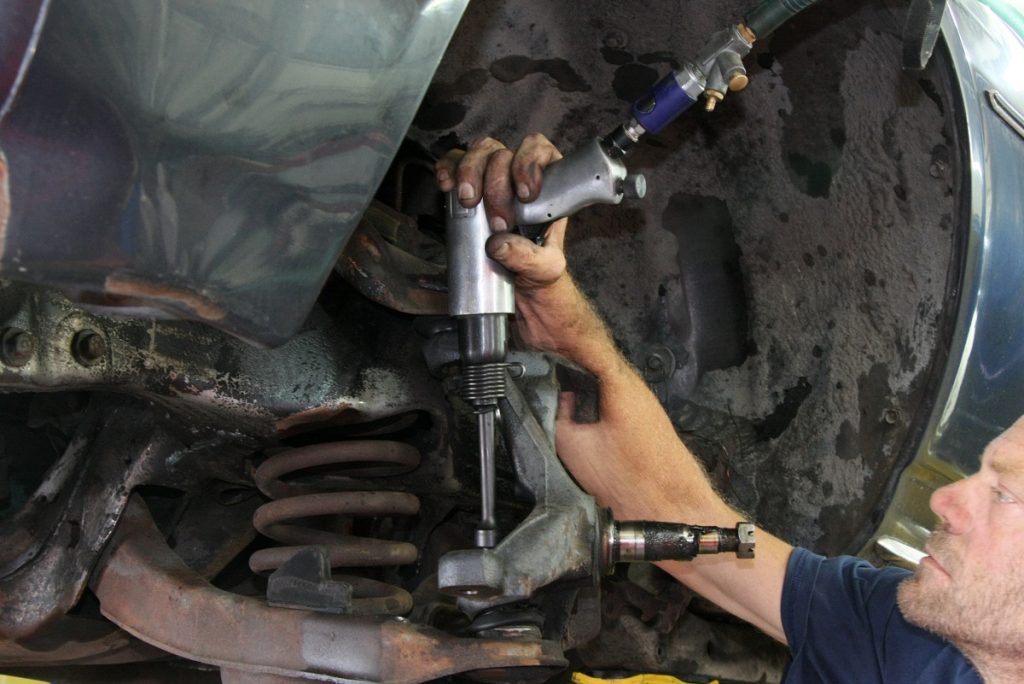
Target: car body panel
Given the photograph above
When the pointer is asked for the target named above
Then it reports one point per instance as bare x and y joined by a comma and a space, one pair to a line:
210, 159
980, 395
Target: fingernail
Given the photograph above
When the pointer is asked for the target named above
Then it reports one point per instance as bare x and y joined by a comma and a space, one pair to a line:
498, 225
523, 190
466, 191
501, 250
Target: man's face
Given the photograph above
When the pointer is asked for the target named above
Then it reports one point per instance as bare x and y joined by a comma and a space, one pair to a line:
970, 588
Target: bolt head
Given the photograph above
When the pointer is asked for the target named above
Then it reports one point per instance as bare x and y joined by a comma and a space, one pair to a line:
937, 169
16, 347
615, 40
88, 347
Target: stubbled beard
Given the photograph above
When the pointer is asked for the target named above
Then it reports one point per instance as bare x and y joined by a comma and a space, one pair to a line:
978, 614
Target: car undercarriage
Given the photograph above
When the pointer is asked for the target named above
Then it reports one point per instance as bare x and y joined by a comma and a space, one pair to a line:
214, 396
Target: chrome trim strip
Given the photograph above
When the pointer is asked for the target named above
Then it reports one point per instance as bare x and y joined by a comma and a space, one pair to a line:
1006, 112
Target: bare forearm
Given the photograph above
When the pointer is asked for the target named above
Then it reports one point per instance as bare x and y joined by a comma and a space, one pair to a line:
654, 473
560, 319
632, 461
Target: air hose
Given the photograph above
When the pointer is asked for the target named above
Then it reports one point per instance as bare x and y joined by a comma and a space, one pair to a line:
771, 14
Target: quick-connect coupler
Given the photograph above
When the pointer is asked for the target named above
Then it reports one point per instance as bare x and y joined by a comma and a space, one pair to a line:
647, 541
670, 97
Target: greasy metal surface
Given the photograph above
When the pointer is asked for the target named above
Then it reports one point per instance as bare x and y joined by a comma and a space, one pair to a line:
559, 540
388, 275
210, 159
52, 544
818, 176
223, 396
654, 624
356, 366
143, 587
76, 641
980, 394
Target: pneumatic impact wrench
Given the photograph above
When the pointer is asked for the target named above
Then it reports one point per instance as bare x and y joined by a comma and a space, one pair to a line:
481, 296
595, 173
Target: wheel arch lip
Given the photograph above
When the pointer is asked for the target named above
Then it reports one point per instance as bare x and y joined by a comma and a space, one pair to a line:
981, 392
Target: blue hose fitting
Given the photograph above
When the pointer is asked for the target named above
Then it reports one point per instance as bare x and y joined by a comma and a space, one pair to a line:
670, 97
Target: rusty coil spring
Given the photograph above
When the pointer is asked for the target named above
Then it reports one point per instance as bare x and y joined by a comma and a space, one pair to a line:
286, 518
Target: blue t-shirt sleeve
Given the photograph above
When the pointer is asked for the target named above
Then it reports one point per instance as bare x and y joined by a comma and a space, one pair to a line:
843, 625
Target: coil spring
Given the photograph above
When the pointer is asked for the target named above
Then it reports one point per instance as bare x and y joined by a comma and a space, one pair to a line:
285, 518
483, 384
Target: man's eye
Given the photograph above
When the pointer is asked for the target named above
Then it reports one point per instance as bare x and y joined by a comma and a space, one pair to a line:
1002, 497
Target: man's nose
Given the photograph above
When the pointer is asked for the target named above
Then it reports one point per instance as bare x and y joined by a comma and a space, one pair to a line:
951, 503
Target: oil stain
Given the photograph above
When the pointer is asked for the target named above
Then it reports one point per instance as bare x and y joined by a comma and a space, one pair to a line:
814, 177
775, 423
633, 80
847, 442
442, 108
814, 131
517, 67
439, 117
616, 57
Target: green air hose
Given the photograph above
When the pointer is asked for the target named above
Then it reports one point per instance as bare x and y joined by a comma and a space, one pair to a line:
771, 14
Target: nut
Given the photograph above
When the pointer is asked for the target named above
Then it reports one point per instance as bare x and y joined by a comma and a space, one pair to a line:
747, 543
892, 416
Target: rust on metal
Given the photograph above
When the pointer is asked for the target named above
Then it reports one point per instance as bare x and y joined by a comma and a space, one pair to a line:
286, 518
370, 458
411, 648
144, 588
136, 288
5, 201
389, 275
318, 416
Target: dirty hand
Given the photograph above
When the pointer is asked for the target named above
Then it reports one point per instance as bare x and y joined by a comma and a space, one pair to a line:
491, 171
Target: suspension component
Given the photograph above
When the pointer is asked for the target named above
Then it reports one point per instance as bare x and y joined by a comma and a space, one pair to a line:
639, 541
299, 499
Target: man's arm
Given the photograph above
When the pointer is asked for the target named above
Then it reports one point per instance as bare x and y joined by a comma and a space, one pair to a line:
631, 460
